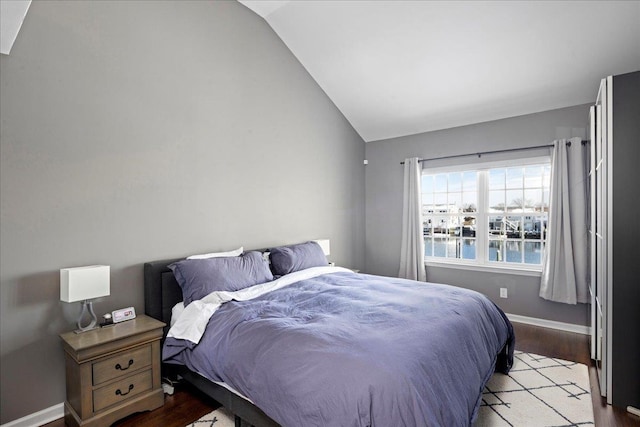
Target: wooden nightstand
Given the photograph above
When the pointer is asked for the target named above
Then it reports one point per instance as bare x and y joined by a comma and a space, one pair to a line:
112, 372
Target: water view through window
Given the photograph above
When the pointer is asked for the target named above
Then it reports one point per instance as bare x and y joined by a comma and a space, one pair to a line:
487, 216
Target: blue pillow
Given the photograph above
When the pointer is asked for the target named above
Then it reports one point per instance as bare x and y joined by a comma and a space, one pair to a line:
287, 259
199, 277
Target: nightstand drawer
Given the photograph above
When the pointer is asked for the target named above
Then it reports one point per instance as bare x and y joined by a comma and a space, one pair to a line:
121, 390
121, 364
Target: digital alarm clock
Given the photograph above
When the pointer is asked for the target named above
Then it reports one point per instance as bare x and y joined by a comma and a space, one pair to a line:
123, 314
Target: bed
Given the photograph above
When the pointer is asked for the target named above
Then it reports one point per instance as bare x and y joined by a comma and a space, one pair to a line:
325, 346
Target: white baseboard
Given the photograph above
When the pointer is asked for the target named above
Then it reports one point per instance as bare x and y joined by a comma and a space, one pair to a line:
39, 418
634, 411
552, 324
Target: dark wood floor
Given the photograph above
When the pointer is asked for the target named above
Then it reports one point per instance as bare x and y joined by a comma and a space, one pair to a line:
188, 404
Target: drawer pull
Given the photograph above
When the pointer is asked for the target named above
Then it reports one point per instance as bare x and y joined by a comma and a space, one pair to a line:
118, 392
124, 369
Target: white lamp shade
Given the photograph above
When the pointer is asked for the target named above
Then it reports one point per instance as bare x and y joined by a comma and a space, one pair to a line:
83, 283
325, 244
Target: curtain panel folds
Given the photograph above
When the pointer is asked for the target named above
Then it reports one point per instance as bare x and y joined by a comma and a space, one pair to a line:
412, 249
565, 266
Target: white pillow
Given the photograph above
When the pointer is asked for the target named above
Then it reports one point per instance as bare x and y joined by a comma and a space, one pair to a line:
236, 252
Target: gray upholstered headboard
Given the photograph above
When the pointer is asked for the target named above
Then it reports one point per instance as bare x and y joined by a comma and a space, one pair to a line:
161, 290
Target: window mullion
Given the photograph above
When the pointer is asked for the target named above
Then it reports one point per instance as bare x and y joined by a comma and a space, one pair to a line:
482, 231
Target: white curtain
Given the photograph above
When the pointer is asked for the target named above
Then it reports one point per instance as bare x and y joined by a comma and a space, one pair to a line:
412, 249
565, 262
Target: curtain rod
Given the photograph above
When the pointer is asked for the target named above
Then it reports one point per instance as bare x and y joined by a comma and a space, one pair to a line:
494, 152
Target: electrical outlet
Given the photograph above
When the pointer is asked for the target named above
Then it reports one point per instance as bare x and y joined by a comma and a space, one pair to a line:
503, 293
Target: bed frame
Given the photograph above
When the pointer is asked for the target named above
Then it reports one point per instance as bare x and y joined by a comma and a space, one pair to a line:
161, 293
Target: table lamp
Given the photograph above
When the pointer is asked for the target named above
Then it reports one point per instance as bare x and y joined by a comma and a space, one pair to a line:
84, 284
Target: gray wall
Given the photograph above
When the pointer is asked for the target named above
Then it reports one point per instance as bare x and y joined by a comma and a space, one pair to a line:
135, 131
384, 202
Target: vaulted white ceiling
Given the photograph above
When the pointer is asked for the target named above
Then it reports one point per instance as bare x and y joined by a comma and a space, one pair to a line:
402, 67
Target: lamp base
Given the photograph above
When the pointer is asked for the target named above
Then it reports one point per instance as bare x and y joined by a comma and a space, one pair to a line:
87, 307
80, 331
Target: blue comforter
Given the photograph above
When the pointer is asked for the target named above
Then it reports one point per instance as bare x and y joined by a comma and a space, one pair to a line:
346, 349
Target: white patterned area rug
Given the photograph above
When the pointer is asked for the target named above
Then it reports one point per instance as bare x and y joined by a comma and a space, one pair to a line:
538, 392
218, 418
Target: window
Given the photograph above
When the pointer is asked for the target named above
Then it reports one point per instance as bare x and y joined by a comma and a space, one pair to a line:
489, 216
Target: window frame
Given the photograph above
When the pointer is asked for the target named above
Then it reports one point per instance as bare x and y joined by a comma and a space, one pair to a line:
482, 214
